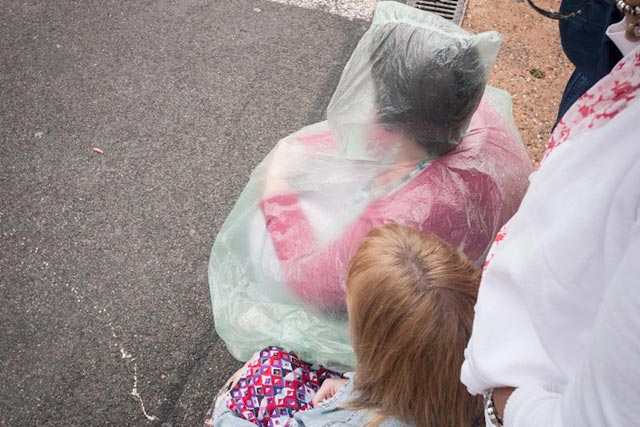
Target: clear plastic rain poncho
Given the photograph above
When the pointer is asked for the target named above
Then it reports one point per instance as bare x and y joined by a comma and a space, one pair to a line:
411, 137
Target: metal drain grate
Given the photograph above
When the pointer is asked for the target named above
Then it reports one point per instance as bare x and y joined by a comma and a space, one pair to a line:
449, 9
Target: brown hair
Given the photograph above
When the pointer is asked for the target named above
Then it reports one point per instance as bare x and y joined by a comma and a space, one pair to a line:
411, 298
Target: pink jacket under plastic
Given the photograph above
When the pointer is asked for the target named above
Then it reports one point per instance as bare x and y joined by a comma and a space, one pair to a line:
463, 197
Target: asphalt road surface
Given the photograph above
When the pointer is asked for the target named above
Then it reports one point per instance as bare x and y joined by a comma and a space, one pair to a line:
106, 318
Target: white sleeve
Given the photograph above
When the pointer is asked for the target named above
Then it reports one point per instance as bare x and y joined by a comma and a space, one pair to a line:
605, 389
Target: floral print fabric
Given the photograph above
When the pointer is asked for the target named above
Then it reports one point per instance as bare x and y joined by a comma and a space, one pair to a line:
275, 385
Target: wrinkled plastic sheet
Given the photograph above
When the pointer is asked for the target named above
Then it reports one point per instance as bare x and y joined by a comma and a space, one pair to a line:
401, 144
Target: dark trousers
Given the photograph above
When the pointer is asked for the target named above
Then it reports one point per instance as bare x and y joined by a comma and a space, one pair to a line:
587, 46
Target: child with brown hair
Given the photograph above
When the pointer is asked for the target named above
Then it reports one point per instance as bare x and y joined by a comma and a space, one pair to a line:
410, 299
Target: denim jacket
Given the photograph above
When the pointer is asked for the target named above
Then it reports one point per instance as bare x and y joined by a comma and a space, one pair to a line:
329, 413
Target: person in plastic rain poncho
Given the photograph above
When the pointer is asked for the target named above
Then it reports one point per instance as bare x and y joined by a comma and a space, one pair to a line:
410, 139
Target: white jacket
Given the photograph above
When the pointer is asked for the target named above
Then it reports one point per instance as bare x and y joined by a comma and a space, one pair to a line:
558, 313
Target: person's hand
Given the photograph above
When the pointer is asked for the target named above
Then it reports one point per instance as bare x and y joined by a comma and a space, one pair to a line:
328, 389
283, 160
500, 397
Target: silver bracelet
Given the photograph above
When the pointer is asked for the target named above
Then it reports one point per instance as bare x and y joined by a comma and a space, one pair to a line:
490, 409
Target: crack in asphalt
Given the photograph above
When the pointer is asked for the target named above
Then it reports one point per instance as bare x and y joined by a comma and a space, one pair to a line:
169, 408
